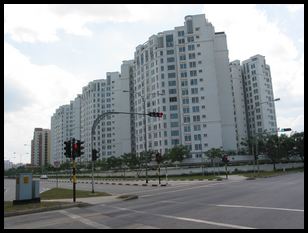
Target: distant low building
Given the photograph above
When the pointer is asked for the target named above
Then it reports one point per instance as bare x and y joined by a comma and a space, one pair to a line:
7, 165
40, 147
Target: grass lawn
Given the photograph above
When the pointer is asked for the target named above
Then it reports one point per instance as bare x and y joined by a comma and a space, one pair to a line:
61, 193
55, 193
9, 207
263, 174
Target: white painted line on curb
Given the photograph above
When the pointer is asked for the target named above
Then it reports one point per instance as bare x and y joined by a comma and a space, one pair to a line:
84, 220
259, 207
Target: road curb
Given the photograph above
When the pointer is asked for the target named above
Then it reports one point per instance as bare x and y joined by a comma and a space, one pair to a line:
127, 197
61, 206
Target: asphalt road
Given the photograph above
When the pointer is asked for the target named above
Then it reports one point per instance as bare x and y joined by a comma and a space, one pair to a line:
276, 202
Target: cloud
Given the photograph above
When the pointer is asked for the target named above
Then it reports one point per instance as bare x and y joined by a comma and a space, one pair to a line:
41, 22
43, 88
294, 7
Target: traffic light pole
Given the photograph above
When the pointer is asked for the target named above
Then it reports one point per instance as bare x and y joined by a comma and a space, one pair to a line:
92, 161
74, 180
145, 141
95, 123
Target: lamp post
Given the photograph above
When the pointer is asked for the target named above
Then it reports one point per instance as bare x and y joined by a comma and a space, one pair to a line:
145, 134
256, 135
144, 129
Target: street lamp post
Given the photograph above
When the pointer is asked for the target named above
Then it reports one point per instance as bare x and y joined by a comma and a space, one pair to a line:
145, 134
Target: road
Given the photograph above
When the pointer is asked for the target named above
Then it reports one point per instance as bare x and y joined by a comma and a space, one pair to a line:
276, 202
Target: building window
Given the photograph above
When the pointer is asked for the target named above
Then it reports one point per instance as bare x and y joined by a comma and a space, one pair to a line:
183, 74
182, 57
190, 39
172, 67
192, 56
180, 33
195, 109
194, 90
181, 41
181, 49
169, 40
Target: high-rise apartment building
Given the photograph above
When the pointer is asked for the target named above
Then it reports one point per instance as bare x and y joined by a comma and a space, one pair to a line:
40, 147
260, 103
238, 97
65, 124
184, 73
112, 135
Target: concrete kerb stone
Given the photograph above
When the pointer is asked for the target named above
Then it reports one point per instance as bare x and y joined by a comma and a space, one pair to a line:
83, 202
32, 211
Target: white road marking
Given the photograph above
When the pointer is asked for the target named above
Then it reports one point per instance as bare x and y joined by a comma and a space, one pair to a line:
206, 222
84, 220
195, 187
259, 207
183, 218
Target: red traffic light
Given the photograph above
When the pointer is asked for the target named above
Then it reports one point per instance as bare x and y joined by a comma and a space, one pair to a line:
155, 114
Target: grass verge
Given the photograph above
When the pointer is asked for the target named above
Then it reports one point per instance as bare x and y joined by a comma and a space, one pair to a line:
9, 207
264, 174
55, 193
61, 193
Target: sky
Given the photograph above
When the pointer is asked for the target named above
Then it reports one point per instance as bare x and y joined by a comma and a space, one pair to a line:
52, 51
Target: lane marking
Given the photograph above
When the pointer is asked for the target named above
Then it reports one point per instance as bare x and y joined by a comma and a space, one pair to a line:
195, 187
260, 207
84, 220
207, 222
182, 218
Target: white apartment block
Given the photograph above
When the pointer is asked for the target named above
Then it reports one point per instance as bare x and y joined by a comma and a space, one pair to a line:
65, 124
112, 134
184, 73
259, 95
238, 103
40, 147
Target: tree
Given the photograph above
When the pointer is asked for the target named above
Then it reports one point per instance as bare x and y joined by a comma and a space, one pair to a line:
286, 145
177, 153
269, 145
114, 162
214, 153
298, 145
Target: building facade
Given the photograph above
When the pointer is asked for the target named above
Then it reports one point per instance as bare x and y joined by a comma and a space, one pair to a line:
184, 73
238, 98
40, 147
65, 124
261, 114
112, 134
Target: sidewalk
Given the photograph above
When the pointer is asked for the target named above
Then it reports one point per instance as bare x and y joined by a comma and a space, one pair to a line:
68, 203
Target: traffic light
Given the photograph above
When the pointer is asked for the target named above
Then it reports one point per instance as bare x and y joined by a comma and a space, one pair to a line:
155, 114
79, 148
74, 151
225, 159
94, 155
67, 149
285, 129
158, 157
